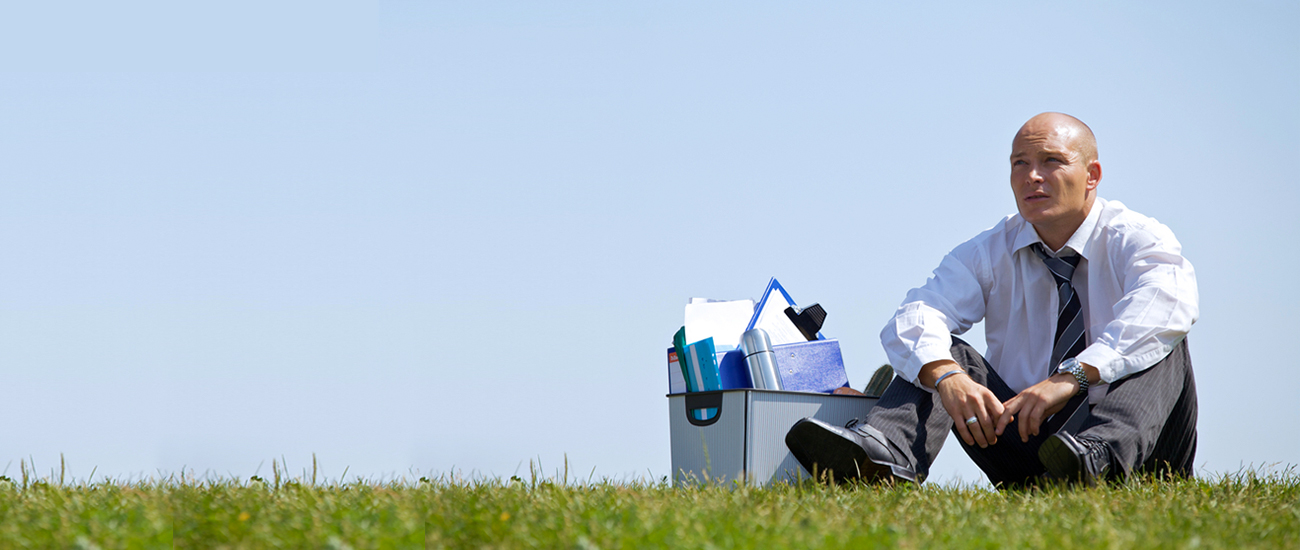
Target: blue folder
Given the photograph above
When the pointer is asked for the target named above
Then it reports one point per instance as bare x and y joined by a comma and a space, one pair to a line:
699, 364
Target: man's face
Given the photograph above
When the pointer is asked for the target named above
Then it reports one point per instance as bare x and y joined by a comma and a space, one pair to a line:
1051, 178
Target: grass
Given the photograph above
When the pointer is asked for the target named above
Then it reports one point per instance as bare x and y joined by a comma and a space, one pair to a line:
1244, 510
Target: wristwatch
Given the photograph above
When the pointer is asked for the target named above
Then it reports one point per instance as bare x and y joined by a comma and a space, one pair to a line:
1074, 368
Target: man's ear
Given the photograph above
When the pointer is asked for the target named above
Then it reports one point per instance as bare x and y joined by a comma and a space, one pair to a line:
1094, 174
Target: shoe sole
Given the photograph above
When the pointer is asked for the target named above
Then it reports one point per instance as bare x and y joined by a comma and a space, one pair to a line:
1060, 460
830, 452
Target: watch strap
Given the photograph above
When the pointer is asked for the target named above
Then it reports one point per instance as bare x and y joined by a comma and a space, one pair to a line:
1074, 368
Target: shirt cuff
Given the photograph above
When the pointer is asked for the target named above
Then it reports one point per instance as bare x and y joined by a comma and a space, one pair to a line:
924, 356
1108, 362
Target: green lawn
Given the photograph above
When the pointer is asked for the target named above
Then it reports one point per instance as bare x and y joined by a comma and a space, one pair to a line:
1247, 510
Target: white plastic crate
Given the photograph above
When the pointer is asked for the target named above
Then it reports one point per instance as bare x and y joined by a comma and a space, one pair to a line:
746, 439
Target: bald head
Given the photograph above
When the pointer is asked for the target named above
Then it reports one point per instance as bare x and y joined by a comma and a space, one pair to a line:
1054, 175
1072, 131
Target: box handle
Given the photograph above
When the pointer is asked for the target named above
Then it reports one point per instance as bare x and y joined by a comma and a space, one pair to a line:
703, 400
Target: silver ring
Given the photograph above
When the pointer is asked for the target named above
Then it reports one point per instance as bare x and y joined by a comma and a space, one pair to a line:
972, 420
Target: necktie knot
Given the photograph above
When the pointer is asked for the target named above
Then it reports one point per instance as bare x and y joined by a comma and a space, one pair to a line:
1062, 267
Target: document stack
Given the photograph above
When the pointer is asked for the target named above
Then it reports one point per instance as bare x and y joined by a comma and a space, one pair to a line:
740, 373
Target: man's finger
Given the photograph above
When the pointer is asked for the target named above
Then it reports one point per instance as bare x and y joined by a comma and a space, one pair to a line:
993, 408
1009, 410
1026, 418
954, 409
988, 424
993, 405
1031, 419
963, 431
965, 412
976, 430
1003, 421
1040, 414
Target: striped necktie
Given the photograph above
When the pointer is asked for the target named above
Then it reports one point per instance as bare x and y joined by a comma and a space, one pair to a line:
1069, 340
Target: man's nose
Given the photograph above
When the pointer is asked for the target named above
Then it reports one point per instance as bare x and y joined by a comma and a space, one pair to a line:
1034, 175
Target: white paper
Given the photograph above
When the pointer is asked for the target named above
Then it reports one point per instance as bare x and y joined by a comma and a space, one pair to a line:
723, 321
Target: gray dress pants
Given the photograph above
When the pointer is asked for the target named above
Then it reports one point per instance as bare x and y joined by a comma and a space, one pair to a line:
1147, 419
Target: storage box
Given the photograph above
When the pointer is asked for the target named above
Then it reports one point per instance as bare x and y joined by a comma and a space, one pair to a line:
746, 438
804, 366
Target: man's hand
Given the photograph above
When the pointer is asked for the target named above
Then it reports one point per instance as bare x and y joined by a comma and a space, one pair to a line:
963, 398
1036, 403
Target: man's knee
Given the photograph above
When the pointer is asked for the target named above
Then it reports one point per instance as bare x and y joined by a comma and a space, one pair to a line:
1149, 419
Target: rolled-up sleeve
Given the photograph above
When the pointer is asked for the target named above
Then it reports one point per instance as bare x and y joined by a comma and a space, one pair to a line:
1159, 305
951, 301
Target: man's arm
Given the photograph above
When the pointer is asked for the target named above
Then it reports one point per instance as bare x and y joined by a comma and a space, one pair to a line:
919, 337
1157, 309
950, 301
1159, 306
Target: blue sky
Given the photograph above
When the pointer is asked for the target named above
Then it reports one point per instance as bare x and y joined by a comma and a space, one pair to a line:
418, 237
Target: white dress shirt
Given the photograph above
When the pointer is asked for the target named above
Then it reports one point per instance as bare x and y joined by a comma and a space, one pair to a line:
1138, 295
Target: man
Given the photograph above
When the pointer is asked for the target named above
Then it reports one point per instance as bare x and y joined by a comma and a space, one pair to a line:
1086, 306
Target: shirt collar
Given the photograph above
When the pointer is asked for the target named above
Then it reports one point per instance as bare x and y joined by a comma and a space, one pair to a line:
1077, 242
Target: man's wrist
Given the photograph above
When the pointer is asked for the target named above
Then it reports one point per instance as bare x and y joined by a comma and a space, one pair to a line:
930, 372
1067, 378
946, 375
1075, 370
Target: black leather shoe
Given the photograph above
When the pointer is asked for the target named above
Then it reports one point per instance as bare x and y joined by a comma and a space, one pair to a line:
855, 451
1075, 459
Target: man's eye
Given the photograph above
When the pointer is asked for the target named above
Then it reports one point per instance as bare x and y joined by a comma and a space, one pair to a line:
1018, 162
1053, 159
